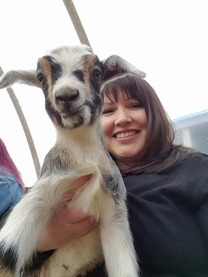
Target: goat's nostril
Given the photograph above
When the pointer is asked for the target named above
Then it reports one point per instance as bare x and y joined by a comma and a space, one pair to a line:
67, 97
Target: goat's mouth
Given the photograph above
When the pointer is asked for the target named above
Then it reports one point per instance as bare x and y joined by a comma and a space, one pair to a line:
72, 111
75, 118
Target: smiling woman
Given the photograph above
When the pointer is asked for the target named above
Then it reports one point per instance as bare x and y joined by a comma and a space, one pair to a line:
135, 124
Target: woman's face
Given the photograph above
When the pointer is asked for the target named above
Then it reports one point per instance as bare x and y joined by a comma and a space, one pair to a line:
125, 127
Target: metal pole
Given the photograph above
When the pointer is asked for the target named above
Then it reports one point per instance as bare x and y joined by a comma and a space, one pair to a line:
76, 22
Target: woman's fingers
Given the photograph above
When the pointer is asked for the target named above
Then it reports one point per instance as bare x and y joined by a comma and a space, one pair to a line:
69, 216
64, 227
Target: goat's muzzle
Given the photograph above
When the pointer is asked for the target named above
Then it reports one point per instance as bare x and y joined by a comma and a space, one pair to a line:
68, 102
67, 97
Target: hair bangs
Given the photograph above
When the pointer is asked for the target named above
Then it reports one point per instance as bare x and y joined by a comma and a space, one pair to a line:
122, 84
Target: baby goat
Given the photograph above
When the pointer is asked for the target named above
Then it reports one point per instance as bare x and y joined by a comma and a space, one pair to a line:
70, 78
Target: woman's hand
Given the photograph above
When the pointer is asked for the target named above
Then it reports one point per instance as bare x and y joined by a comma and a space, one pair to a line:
66, 224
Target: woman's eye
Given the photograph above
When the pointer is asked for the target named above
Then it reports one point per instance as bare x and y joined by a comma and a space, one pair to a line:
107, 111
136, 105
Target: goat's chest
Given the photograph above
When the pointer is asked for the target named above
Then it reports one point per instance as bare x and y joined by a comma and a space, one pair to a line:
78, 156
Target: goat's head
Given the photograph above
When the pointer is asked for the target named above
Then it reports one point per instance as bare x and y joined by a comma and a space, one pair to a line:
70, 78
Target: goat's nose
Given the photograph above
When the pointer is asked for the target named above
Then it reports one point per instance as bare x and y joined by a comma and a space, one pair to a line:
69, 95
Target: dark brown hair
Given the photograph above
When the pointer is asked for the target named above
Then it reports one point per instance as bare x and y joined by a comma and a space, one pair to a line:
159, 154
7, 164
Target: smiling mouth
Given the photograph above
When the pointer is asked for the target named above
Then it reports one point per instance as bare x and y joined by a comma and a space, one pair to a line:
126, 134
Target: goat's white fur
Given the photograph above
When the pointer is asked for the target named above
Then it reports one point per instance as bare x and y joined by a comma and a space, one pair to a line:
82, 153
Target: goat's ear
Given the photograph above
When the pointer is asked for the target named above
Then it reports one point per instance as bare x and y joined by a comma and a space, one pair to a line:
114, 65
27, 77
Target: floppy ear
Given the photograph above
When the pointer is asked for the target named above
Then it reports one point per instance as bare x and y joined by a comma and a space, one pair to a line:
114, 65
27, 77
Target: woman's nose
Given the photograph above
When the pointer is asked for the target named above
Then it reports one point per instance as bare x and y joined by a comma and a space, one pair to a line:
122, 117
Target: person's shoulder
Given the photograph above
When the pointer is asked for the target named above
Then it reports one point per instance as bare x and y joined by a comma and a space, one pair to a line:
9, 184
194, 168
7, 177
194, 173
196, 159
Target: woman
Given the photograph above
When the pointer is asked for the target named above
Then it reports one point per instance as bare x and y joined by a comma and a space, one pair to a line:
11, 183
167, 184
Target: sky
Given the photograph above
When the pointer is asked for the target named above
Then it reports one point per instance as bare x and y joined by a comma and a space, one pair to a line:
165, 38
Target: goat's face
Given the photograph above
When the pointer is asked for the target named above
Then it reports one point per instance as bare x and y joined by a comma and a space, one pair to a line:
70, 78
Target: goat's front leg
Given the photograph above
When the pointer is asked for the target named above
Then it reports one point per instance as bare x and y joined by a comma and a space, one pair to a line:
117, 243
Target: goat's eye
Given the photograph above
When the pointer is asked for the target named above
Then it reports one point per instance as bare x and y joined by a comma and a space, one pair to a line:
97, 74
40, 77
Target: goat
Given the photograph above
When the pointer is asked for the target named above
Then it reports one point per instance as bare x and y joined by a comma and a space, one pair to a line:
70, 77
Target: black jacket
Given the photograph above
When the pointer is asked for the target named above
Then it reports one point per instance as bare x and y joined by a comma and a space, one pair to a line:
169, 219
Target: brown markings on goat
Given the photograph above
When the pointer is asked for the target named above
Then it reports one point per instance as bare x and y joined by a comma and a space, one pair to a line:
88, 67
45, 67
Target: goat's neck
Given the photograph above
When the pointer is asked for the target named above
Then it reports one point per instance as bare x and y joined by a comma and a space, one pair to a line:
80, 136
83, 142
